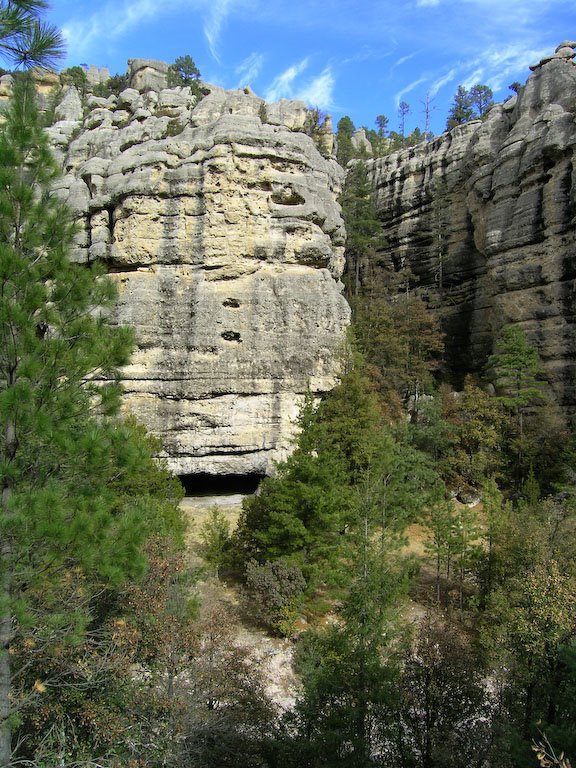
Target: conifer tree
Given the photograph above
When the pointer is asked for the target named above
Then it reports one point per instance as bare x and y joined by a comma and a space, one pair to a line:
519, 378
403, 112
25, 39
184, 72
518, 371
481, 97
461, 110
344, 131
364, 230
61, 452
469, 104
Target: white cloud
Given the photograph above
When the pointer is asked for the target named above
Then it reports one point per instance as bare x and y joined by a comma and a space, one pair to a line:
249, 69
398, 97
441, 82
427, 3
282, 87
318, 92
474, 78
403, 60
110, 22
502, 64
114, 20
497, 64
364, 55
218, 12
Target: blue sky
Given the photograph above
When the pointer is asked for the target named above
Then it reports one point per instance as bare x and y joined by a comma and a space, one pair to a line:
348, 57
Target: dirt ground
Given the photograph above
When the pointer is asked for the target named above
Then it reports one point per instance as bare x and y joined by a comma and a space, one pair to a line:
273, 656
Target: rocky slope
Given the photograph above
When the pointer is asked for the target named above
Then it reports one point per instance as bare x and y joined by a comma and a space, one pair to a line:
220, 223
485, 216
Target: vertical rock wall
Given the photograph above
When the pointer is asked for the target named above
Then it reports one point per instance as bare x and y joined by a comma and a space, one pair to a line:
220, 224
485, 216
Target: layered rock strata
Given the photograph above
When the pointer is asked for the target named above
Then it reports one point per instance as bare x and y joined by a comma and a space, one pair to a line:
485, 216
220, 224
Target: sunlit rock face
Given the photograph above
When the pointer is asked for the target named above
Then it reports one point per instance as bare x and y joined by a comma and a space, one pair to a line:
220, 224
485, 216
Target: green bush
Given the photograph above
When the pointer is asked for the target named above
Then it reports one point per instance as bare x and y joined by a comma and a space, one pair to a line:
215, 536
114, 85
272, 593
75, 76
174, 128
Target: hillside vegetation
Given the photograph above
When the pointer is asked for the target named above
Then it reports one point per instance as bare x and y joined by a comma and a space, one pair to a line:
417, 546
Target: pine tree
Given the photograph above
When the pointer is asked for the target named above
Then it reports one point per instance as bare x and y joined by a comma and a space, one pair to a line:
461, 110
481, 98
469, 104
403, 112
382, 123
517, 370
26, 40
519, 378
184, 72
364, 230
344, 131
62, 454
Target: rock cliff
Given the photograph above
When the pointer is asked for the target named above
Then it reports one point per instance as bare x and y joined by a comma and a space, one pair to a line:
485, 216
220, 224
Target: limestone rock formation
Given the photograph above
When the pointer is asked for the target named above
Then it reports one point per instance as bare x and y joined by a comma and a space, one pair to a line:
45, 81
219, 221
485, 216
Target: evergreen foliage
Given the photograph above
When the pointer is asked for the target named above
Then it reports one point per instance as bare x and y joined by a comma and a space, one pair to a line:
344, 131
94, 582
461, 110
534, 424
184, 72
516, 370
481, 98
215, 537
71, 524
403, 112
469, 105
364, 234
402, 342
114, 85
26, 40
75, 76
344, 456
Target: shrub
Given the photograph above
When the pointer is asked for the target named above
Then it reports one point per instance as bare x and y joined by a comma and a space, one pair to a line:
215, 535
114, 85
273, 590
75, 76
174, 128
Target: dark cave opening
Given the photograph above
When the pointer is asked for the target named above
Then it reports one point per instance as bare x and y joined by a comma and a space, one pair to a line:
220, 485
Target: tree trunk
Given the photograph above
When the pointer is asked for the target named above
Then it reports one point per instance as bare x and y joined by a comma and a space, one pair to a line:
5, 681
6, 628
6, 631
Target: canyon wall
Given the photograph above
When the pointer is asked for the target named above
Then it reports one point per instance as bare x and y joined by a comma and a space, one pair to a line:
218, 219
485, 217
